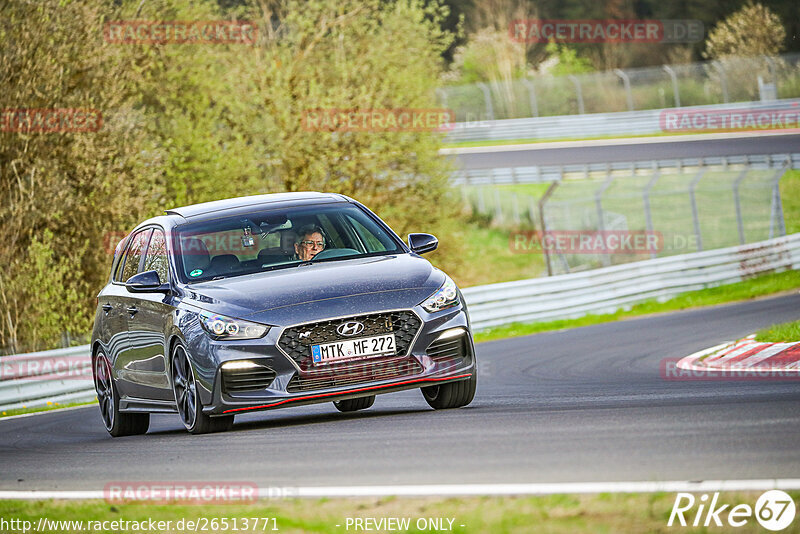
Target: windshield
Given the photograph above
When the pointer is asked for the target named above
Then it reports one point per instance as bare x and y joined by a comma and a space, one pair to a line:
267, 240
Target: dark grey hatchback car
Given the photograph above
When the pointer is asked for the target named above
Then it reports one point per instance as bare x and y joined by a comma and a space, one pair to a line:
273, 301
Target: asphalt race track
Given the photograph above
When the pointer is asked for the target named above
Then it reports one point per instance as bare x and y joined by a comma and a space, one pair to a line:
589, 152
585, 405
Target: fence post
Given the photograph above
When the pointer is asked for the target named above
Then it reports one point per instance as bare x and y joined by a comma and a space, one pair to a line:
776, 213
648, 215
578, 92
543, 225
598, 201
487, 96
442, 94
723, 81
773, 71
695, 214
737, 201
532, 96
674, 78
626, 81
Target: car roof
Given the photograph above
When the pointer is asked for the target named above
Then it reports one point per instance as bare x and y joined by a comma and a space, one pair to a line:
218, 207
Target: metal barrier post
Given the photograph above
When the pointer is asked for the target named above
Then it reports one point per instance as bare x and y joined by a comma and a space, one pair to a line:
736, 199
695, 214
723, 81
598, 201
578, 92
626, 82
532, 96
543, 225
487, 96
648, 215
776, 213
674, 78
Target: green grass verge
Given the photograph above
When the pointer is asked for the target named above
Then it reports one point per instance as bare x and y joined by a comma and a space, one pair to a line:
573, 514
48, 408
780, 333
755, 287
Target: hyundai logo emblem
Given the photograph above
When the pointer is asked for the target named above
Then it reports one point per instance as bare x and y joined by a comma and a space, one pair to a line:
350, 328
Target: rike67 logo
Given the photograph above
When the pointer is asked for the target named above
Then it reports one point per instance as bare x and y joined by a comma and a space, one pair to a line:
774, 510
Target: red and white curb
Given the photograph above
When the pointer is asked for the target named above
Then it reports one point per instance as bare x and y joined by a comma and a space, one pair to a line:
746, 355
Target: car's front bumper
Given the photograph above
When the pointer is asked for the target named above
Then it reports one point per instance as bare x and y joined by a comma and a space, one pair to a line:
419, 369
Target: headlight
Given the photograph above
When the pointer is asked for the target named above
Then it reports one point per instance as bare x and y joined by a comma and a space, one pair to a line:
222, 327
445, 297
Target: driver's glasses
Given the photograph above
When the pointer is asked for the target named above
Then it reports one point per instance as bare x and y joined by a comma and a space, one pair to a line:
310, 244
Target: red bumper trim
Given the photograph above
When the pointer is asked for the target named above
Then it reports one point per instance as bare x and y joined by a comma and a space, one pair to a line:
306, 397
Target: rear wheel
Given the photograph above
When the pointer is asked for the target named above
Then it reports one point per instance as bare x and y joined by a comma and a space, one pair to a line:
452, 395
352, 405
187, 400
117, 423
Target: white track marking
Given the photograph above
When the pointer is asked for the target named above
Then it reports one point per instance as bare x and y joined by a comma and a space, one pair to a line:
438, 490
10, 417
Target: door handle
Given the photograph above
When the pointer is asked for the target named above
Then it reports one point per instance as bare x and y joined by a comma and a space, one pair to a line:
106, 307
132, 310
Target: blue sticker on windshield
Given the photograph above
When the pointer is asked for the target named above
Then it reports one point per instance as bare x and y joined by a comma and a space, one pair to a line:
196, 272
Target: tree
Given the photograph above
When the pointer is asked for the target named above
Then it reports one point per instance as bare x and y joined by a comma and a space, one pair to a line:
754, 30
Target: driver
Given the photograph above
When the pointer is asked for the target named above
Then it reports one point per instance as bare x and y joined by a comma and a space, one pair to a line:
310, 242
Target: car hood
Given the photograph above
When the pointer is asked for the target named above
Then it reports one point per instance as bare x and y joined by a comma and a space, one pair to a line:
322, 290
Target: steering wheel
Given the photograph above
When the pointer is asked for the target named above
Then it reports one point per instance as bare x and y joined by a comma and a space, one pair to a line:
336, 253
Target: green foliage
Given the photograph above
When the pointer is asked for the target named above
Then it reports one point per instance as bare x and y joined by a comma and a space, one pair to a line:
566, 60
754, 30
74, 186
191, 123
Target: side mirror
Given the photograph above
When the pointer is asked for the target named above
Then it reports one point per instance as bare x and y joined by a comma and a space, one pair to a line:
422, 243
146, 281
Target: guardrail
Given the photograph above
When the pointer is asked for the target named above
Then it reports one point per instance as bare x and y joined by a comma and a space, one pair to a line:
608, 289
64, 375
554, 173
644, 122
48, 377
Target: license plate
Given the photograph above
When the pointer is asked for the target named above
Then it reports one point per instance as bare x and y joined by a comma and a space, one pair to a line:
353, 349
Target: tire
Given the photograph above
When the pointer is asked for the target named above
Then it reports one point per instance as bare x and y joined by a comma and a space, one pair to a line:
187, 400
452, 395
353, 405
117, 423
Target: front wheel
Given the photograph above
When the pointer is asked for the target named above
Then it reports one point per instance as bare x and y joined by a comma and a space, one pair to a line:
452, 395
187, 399
117, 423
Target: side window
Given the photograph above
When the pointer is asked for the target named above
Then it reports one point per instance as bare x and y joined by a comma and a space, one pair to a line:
332, 233
372, 242
119, 260
134, 254
156, 258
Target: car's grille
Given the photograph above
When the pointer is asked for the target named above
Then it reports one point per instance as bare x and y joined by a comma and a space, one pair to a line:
296, 341
448, 352
239, 380
348, 374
